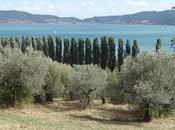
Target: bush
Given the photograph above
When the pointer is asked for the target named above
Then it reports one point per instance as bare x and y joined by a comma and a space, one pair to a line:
20, 75
86, 81
149, 80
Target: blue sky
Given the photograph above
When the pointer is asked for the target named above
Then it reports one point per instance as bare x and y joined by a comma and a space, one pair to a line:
85, 8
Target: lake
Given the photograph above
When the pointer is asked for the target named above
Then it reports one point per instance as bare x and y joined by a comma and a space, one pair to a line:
145, 34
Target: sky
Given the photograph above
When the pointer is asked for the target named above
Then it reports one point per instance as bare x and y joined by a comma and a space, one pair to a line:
85, 8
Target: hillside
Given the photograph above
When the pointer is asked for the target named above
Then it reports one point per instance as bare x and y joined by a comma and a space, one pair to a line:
148, 17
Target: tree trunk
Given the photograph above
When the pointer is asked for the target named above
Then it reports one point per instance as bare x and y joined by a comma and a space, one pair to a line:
49, 97
103, 100
147, 116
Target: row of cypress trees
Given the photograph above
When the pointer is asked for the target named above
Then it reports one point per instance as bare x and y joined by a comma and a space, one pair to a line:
81, 51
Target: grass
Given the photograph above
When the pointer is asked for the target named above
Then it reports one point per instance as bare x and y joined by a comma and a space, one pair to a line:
62, 115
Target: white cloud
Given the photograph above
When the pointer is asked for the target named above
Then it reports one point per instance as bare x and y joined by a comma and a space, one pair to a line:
137, 3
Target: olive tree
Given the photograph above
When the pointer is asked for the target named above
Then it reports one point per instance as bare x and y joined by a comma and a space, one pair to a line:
149, 80
20, 75
86, 81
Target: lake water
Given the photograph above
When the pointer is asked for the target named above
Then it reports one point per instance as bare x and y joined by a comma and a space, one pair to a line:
145, 34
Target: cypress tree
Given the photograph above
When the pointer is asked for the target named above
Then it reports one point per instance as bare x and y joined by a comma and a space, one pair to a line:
135, 49
66, 51
45, 47
58, 50
23, 45
88, 52
39, 44
104, 52
12, 42
158, 45
96, 52
73, 56
81, 51
17, 42
34, 44
112, 54
120, 54
51, 48
128, 48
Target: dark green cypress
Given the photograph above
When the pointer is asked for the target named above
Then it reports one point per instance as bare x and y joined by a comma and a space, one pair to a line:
23, 45
81, 51
34, 44
128, 48
39, 44
12, 42
158, 45
51, 48
112, 54
45, 47
58, 50
96, 52
66, 51
120, 54
73, 56
135, 49
17, 42
104, 52
88, 52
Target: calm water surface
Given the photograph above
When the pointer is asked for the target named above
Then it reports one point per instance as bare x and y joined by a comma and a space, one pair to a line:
145, 34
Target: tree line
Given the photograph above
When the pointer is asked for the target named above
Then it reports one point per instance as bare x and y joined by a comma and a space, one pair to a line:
101, 52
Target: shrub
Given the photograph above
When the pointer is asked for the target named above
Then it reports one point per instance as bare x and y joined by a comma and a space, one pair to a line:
20, 75
149, 80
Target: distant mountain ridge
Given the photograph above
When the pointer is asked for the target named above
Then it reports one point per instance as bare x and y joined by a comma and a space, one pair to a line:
166, 17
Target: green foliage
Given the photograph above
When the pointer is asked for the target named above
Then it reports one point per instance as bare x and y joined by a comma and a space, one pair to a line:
120, 54
12, 42
86, 81
58, 50
51, 48
34, 44
128, 48
104, 52
73, 55
45, 47
135, 49
158, 45
39, 44
88, 53
96, 52
81, 51
66, 51
112, 54
20, 76
150, 82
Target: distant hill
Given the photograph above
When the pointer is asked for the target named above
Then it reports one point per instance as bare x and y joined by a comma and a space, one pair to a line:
166, 17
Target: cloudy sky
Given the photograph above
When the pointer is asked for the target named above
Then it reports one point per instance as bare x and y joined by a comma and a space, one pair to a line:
85, 8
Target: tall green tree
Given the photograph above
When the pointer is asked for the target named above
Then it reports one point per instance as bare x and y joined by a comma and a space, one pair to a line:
120, 54
12, 42
51, 48
66, 51
128, 48
112, 54
45, 47
58, 50
23, 45
88, 51
158, 45
81, 43
73, 55
135, 49
104, 52
39, 44
17, 42
34, 44
96, 52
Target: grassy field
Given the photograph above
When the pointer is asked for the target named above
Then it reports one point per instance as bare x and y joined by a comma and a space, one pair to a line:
62, 115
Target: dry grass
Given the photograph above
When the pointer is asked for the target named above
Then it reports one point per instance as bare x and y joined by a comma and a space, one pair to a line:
62, 115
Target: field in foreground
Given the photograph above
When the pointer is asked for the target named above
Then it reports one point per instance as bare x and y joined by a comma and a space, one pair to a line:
62, 115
